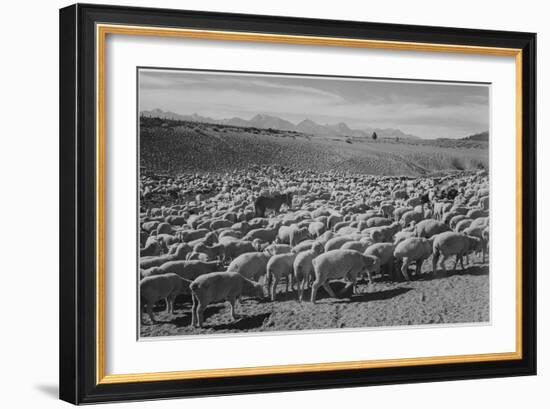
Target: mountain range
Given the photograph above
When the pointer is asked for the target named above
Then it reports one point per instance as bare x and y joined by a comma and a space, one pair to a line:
268, 121
482, 136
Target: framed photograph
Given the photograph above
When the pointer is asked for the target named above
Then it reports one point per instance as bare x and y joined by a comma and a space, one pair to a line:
257, 203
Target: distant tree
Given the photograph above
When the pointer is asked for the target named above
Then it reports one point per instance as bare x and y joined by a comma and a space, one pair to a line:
374, 136
397, 139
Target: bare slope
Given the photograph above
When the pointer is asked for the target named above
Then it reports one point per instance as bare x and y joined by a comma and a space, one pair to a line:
174, 147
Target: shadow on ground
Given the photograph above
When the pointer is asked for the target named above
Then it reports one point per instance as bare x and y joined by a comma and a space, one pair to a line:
244, 323
477, 270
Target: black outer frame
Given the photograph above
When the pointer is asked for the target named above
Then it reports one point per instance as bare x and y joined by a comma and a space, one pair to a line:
78, 197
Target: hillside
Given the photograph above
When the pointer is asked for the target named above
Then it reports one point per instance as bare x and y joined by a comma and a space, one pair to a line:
272, 122
482, 136
178, 146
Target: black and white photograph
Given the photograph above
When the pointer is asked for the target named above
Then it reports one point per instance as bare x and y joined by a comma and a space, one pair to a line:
278, 202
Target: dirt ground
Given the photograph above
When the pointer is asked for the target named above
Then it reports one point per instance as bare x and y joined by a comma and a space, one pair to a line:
462, 297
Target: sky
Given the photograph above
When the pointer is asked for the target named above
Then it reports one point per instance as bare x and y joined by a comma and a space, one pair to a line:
426, 109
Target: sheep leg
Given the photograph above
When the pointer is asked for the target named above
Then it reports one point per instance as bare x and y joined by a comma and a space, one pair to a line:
232, 308
293, 284
172, 301
314, 288
274, 287
443, 260
434, 262
404, 269
354, 282
456, 262
329, 290
419, 266
369, 276
167, 309
142, 314
268, 280
150, 311
301, 285
200, 314
462, 262
194, 316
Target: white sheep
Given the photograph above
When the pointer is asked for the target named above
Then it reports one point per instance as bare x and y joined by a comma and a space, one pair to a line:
452, 243
190, 269
412, 250
274, 249
339, 263
384, 251
279, 266
220, 286
164, 286
430, 227
250, 265
303, 267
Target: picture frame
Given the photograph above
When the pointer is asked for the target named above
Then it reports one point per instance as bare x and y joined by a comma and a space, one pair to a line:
83, 180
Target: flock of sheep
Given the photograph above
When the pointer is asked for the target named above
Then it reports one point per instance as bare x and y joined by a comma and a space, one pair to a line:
249, 230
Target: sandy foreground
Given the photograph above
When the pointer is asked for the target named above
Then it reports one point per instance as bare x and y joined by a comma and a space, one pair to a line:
462, 297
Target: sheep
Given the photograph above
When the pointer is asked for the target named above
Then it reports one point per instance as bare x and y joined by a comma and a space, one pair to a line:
215, 251
462, 225
387, 209
278, 266
384, 233
402, 235
378, 221
154, 248
485, 236
304, 246
251, 265
316, 229
190, 269
175, 220
339, 263
165, 228
283, 235
456, 219
358, 245
414, 249
430, 227
400, 211
337, 242
480, 221
208, 239
476, 213
220, 286
303, 267
264, 234
479, 232
153, 271
447, 217
332, 220
274, 249
235, 247
440, 208
157, 287
191, 235
149, 226
411, 216
195, 255
384, 251
298, 235
181, 252
325, 237
452, 243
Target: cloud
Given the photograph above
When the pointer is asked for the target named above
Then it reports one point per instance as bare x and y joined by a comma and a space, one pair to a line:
428, 109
